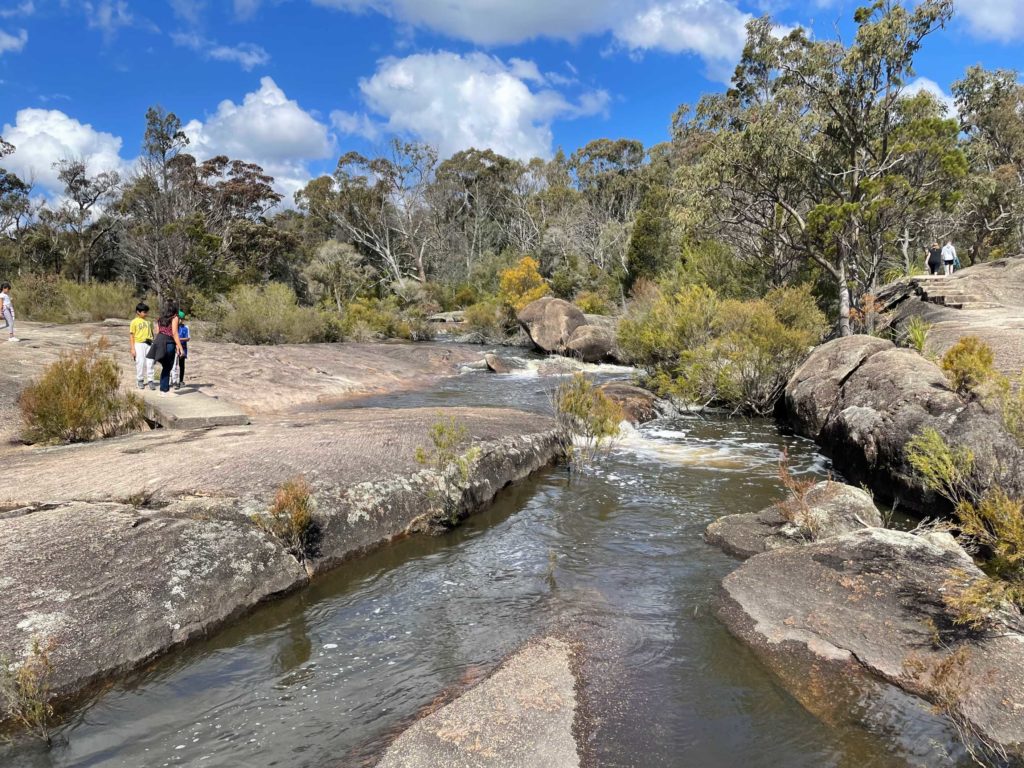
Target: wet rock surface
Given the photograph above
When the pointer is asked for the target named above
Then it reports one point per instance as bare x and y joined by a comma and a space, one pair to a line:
826, 509
842, 618
520, 717
640, 405
591, 344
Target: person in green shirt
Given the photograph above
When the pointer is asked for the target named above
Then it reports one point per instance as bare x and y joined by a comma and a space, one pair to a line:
141, 331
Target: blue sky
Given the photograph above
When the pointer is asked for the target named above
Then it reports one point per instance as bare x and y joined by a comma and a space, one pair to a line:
292, 84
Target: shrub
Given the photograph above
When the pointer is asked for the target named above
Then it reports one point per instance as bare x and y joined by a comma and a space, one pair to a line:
451, 466
916, 335
42, 298
98, 301
1010, 402
26, 689
269, 314
488, 318
366, 319
798, 506
522, 284
968, 364
730, 352
588, 419
990, 520
593, 303
290, 519
79, 398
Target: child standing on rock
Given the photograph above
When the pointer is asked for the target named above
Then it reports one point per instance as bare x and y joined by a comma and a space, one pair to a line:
7, 310
178, 374
141, 332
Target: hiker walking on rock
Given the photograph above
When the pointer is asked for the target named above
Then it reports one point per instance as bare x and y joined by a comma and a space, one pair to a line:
141, 333
949, 257
7, 309
934, 259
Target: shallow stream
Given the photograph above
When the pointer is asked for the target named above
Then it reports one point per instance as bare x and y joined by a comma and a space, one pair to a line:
615, 556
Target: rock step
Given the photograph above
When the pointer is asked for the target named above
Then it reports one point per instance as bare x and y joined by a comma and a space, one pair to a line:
191, 410
971, 305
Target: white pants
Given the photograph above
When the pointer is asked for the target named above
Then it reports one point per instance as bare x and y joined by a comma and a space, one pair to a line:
143, 365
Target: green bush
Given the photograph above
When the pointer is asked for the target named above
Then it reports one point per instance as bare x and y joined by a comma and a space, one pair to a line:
450, 465
593, 303
587, 418
917, 333
270, 314
77, 399
729, 352
50, 299
290, 519
27, 687
488, 318
367, 319
968, 365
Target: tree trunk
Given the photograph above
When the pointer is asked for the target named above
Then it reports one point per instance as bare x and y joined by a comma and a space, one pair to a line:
844, 303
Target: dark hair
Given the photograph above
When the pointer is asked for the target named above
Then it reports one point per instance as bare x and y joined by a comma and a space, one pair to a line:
142, 307
168, 314
4, 286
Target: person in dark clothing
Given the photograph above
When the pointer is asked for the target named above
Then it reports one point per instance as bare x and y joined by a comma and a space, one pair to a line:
935, 260
167, 343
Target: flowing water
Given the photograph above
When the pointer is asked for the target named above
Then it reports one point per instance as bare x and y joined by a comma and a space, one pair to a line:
614, 557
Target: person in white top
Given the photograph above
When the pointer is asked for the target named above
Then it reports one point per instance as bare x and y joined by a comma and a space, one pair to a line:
7, 309
948, 256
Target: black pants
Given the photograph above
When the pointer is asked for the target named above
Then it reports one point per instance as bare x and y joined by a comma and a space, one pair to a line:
166, 361
935, 269
181, 369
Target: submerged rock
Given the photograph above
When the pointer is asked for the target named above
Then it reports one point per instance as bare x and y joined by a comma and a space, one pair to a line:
521, 717
826, 509
551, 322
499, 364
838, 618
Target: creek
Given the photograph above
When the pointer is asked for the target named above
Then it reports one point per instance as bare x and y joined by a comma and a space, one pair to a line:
614, 556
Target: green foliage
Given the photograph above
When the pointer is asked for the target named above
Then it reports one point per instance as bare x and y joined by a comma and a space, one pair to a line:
365, 319
588, 419
79, 398
26, 689
488, 318
522, 284
650, 244
270, 314
969, 364
711, 351
593, 303
916, 334
50, 299
945, 470
1010, 402
451, 466
989, 519
290, 519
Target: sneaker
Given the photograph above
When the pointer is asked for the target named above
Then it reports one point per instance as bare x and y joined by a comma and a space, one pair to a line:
177, 385
152, 385
12, 338
142, 384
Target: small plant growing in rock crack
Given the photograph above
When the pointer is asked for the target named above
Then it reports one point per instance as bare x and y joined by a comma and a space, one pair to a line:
969, 365
798, 506
916, 334
290, 519
26, 689
588, 420
451, 466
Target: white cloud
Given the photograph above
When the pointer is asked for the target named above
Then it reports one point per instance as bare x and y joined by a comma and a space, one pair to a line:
42, 137
267, 128
246, 8
455, 102
189, 10
26, 8
246, 55
993, 19
713, 29
108, 16
930, 86
13, 43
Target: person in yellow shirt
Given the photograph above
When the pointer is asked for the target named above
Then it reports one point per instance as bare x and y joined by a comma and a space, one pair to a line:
141, 331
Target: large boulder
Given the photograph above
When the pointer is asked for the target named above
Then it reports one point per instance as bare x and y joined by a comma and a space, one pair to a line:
591, 344
843, 620
825, 509
863, 400
639, 405
551, 322
814, 389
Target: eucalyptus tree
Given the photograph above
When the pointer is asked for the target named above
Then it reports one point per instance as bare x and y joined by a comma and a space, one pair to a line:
805, 141
80, 220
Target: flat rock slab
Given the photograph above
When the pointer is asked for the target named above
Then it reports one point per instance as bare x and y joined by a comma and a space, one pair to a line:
112, 586
185, 409
838, 619
520, 717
